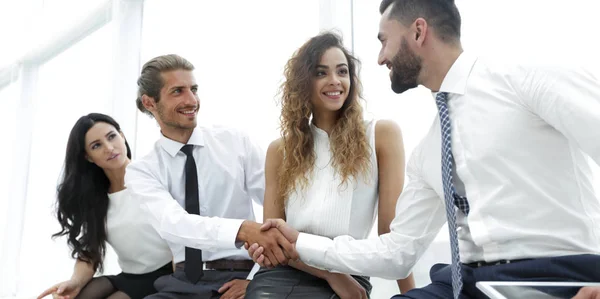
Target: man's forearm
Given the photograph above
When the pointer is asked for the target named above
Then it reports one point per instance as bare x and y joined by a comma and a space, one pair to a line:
177, 226
371, 257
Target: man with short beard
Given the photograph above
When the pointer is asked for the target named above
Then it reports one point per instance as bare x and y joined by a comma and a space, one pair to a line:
196, 188
503, 165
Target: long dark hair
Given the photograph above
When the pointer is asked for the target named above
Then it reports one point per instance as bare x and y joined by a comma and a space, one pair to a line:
82, 199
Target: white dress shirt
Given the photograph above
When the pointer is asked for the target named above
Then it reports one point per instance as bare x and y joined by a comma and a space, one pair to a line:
230, 173
138, 246
519, 134
327, 208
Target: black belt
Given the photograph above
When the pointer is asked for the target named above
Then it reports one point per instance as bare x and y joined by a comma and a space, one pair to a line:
496, 263
223, 264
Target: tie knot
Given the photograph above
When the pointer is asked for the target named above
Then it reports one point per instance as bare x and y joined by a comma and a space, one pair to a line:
187, 149
441, 100
441, 96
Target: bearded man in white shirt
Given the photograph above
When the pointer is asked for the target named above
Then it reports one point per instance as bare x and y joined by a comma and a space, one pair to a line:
196, 188
503, 164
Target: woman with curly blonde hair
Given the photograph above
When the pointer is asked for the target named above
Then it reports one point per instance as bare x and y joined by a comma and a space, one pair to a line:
331, 173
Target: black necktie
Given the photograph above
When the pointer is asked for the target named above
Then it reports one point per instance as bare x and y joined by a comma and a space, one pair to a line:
193, 257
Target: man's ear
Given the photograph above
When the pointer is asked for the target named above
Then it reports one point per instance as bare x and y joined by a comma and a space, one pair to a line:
149, 103
421, 30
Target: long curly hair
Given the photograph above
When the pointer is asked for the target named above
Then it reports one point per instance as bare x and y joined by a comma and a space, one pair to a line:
349, 146
82, 196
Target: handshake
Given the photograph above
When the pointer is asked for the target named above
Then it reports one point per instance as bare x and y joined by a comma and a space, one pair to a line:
270, 244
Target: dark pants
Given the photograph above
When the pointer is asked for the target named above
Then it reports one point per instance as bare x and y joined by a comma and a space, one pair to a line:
290, 283
178, 286
573, 268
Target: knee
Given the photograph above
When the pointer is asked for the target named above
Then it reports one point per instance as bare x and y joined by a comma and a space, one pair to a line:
265, 288
255, 290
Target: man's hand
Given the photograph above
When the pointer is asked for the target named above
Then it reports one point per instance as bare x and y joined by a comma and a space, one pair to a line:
65, 290
235, 289
290, 233
256, 254
346, 287
588, 293
277, 249
256, 251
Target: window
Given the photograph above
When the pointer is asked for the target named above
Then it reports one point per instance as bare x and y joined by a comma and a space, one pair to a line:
9, 99
239, 49
76, 82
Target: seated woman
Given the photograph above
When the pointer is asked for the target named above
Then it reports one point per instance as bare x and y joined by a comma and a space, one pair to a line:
331, 173
95, 208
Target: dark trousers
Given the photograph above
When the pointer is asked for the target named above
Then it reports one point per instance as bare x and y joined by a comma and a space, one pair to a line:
573, 268
177, 285
291, 283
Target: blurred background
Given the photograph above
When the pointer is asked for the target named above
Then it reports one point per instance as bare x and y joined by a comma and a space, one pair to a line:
61, 59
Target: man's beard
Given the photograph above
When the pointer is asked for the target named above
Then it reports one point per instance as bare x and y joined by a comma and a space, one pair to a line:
406, 66
164, 118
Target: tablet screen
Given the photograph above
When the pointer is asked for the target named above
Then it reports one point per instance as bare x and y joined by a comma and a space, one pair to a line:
537, 292
531, 289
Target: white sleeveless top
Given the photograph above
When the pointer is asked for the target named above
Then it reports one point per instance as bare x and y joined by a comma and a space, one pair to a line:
325, 207
137, 244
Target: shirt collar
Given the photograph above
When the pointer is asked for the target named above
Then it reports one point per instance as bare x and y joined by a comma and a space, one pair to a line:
172, 147
456, 79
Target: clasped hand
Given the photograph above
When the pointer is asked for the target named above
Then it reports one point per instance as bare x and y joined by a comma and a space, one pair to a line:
269, 253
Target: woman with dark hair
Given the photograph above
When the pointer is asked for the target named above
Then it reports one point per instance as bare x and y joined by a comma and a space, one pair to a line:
94, 208
331, 173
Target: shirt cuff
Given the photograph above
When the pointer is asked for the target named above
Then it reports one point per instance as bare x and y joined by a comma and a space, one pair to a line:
228, 231
313, 249
253, 271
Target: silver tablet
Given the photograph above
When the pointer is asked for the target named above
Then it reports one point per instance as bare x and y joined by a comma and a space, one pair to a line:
530, 289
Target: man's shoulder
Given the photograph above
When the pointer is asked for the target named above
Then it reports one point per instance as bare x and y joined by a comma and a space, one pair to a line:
148, 161
523, 64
